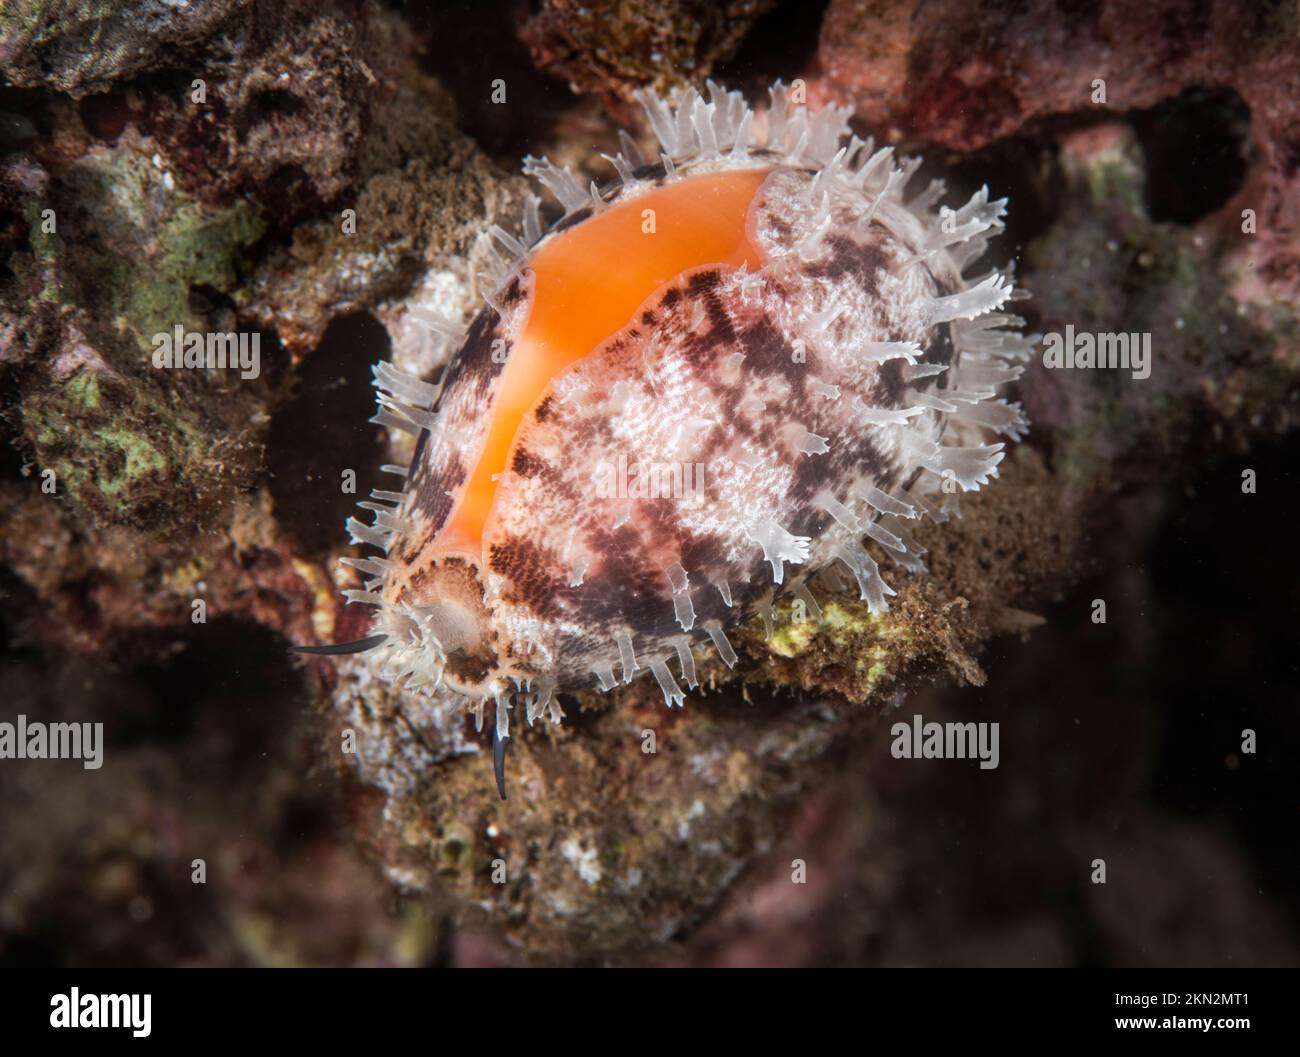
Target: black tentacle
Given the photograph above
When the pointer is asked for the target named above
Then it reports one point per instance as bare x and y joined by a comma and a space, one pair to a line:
357, 646
499, 762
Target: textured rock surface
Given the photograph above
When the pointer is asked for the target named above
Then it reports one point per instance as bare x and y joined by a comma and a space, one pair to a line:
974, 75
80, 46
614, 48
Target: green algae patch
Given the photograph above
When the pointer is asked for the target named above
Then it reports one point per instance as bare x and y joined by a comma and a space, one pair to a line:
123, 449
139, 458
792, 639
121, 263
194, 249
103, 452
84, 389
185, 576
847, 648
131, 243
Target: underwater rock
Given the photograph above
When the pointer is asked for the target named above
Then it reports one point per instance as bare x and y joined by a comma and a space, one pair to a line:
77, 47
613, 49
